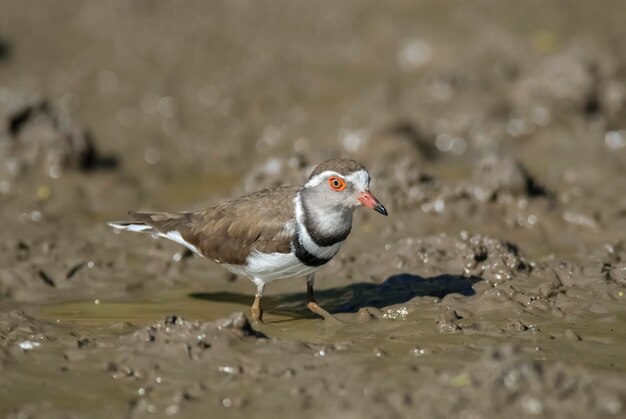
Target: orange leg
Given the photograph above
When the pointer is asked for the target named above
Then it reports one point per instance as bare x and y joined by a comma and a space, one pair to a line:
256, 310
312, 304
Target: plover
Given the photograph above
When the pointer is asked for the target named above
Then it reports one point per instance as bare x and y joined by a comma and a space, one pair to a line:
279, 233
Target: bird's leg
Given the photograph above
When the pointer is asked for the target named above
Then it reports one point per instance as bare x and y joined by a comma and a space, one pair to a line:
311, 303
256, 310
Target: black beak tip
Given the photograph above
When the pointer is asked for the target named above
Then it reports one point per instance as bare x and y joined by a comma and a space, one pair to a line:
381, 210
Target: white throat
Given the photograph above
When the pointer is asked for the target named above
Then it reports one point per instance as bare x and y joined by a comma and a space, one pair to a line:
327, 220
324, 223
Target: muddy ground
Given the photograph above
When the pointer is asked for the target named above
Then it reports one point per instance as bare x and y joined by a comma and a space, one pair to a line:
495, 133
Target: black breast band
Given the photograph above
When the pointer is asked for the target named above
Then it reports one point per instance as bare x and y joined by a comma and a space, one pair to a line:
304, 255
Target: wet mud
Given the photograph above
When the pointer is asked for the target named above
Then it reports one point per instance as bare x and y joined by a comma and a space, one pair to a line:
495, 135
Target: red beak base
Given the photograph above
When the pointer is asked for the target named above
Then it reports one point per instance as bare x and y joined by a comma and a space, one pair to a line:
368, 200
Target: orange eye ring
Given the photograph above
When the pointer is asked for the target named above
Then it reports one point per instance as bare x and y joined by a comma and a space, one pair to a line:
336, 183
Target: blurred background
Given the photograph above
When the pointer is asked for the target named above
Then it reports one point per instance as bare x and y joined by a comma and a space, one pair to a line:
495, 133
187, 102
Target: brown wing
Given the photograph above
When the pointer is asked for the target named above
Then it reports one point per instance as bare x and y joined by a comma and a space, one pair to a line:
229, 232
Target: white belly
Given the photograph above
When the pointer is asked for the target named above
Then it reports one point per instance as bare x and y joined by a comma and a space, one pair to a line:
268, 267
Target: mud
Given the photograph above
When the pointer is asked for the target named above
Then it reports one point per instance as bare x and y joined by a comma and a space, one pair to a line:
495, 136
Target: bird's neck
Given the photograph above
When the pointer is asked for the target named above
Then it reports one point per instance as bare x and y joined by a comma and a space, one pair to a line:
326, 225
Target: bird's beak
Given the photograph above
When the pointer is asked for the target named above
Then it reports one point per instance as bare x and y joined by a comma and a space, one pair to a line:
370, 201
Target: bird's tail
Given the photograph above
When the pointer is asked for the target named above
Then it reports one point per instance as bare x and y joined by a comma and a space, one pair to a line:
136, 226
172, 226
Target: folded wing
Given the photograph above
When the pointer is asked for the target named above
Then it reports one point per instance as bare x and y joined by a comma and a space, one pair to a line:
230, 232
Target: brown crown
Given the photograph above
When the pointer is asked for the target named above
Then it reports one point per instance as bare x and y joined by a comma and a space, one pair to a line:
342, 166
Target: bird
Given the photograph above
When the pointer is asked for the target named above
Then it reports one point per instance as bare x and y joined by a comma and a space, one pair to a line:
279, 233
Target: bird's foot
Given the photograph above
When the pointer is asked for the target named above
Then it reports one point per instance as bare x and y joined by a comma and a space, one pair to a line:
315, 308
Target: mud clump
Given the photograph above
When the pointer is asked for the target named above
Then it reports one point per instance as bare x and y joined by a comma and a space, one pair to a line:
37, 269
616, 273
497, 176
501, 179
467, 254
34, 136
177, 364
582, 80
522, 387
406, 185
174, 330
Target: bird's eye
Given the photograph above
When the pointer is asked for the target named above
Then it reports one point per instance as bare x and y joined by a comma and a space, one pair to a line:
337, 184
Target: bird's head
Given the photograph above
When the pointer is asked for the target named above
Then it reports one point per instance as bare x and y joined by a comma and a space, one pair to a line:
343, 185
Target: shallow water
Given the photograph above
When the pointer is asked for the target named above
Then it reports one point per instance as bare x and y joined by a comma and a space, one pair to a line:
547, 340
